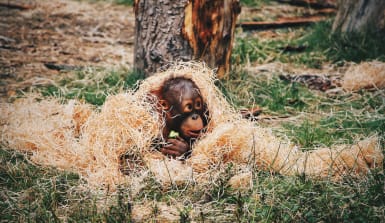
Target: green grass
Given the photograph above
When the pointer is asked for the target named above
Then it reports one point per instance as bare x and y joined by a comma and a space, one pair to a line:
31, 193
251, 49
302, 200
253, 3
339, 127
125, 2
92, 85
47, 195
39, 194
337, 47
275, 96
342, 118
314, 46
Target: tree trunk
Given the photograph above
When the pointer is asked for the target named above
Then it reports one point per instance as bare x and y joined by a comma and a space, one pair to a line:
168, 31
360, 15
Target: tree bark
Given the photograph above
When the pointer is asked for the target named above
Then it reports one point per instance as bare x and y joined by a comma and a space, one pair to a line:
359, 16
170, 30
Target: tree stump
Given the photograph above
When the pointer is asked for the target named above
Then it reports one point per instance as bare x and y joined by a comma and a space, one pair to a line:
359, 16
168, 31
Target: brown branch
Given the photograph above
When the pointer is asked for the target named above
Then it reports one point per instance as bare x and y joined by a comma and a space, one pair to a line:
326, 11
281, 23
61, 67
311, 3
16, 6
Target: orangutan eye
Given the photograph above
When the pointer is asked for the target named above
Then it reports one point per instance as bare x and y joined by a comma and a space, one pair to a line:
198, 104
188, 108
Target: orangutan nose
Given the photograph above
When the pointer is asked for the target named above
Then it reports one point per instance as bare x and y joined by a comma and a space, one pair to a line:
194, 116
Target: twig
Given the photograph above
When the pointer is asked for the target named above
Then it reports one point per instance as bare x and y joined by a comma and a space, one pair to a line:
251, 112
60, 67
168, 172
280, 23
7, 39
311, 3
290, 48
16, 6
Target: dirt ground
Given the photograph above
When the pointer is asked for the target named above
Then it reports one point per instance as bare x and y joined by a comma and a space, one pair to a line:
67, 34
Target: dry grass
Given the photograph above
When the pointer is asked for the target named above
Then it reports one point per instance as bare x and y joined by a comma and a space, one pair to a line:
366, 75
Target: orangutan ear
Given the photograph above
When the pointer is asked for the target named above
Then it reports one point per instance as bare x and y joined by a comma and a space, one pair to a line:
165, 105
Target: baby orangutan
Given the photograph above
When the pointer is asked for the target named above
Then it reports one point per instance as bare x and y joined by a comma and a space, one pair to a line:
185, 115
